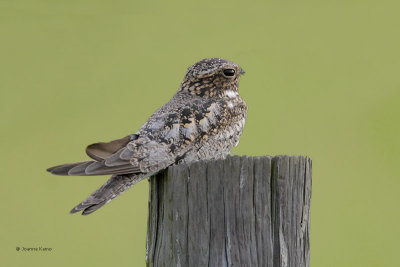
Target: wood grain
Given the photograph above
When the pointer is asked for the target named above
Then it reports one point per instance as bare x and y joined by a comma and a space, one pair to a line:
240, 211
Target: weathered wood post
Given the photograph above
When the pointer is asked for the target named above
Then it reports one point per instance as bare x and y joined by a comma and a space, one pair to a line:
241, 211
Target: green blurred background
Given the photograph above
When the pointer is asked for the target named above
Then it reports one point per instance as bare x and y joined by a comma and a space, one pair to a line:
322, 80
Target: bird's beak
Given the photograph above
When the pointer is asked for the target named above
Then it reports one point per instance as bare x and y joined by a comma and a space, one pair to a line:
242, 72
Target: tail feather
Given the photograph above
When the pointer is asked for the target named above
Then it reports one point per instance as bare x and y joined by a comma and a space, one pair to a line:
114, 187
91, 167
80, 169
65, 169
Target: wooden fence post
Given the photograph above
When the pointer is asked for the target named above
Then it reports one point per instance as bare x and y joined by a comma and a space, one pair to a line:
241, 211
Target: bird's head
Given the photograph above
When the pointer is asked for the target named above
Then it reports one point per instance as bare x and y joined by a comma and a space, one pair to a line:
212, 77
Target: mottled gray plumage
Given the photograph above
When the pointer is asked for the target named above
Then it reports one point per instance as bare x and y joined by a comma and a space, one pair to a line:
202, 121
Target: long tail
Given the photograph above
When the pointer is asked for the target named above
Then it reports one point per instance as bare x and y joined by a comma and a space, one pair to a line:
115, 186
92, 167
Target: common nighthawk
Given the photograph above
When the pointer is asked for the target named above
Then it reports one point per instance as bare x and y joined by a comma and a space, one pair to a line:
202, 121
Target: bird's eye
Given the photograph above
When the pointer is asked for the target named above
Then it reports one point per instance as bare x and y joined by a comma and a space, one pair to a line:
229, 72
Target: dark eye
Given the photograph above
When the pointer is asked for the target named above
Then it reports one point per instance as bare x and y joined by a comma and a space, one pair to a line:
229, 72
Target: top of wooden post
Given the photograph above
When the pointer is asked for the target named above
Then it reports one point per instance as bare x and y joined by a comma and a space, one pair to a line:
240, 211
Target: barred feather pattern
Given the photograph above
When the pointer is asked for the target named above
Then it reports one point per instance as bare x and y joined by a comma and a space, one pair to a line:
203, 120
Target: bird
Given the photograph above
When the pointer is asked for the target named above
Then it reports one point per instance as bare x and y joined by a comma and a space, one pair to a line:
202, 121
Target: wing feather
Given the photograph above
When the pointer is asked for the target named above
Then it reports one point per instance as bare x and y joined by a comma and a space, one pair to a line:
165, 137
101, 151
